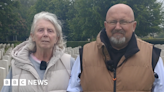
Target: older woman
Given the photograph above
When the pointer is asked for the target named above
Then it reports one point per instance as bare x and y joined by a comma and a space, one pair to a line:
41, 60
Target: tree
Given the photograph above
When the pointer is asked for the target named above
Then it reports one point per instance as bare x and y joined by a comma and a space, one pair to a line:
149, 15
58, 7
7, 17
25, 13
83, 19
90, 16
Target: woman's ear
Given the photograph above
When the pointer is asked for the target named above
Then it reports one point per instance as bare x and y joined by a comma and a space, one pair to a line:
57, 39
32, 37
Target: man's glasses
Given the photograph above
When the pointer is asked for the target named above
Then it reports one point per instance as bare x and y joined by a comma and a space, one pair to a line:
122, 22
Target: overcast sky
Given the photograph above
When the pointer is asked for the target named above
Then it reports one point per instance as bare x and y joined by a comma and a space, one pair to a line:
161, 1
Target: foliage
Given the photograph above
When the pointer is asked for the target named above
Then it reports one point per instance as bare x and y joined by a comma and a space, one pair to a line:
154, 40
13, 19
60, 8
149, 15
88, 20
160, 34
76, 43
25, 12
81, 19
8, 18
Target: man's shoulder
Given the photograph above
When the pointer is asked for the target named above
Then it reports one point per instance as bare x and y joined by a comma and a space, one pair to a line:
155, 51
90, 44
143, 42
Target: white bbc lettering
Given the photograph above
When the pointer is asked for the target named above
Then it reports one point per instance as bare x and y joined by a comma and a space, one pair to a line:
37, 82
22, 82
42, 82
14, 82
6, 82
30, 82
45, 82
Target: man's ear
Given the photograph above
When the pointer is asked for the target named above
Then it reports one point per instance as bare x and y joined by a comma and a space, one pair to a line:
134, 25
105, 24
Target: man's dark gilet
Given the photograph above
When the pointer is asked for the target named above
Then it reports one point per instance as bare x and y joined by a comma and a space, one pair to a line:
136, 74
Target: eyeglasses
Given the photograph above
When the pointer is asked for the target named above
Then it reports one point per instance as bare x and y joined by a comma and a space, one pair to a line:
122, 22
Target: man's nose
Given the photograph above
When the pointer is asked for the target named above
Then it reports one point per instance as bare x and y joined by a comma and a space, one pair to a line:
118, 25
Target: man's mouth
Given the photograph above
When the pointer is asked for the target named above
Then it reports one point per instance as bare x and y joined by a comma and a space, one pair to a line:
118, 32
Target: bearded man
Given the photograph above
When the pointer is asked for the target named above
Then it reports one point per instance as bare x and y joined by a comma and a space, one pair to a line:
118, 61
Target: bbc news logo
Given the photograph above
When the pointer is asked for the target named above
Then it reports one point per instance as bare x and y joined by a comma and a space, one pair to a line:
24, 82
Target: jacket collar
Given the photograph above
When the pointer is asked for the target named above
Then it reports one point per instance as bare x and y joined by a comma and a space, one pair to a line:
131, 48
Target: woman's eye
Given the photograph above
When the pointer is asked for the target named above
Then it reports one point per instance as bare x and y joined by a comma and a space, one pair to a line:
40, 30
50, 30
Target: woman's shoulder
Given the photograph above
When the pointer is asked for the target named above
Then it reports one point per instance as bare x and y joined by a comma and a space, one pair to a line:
68, 57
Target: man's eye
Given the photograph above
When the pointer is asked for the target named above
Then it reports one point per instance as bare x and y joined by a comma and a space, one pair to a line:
113, 22
123, 22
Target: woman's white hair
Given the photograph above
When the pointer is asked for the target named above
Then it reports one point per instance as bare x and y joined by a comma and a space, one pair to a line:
57, 24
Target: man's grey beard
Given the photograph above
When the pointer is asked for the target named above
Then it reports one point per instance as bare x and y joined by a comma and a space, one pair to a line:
117, 41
